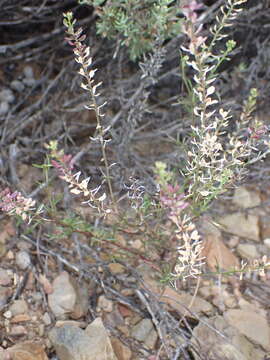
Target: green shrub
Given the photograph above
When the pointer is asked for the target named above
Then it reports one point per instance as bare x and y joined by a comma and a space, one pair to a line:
137, 24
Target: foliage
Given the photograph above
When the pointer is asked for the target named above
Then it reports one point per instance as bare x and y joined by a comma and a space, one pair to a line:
137, 24
218, 151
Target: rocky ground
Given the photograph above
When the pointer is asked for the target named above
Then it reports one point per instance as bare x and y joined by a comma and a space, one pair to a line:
57, 314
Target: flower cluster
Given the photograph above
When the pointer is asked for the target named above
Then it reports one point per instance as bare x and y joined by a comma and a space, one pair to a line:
189, 261
171, 198
189, 10
216, 157
64, 165
15, 203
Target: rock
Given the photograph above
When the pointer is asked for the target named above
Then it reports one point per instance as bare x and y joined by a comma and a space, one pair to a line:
73, 343
267, 243
4, 108
29, 82
20, 318
7, 96
246, 198
80, 324
213, 346
241, 225
113, 319
145, 332
46, 319
121, 351
116, 268
7, 314
105, 304
18, 307
182, 301
23, 259
82, 299
251, 324
5, 293
28, 72
62, 300
5, 278
17, 85
137, 244
217, 255
18, 330
248, 251
27, 351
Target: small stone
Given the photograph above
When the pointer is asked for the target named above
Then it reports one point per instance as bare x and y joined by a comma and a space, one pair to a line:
5, 292
63, 298
23, 260
4, 108
8, 314
137, 244
46, 319
27, 351
267, 242
241, 225
230, 301
73, 343
82, 299
18, 307
232, 346
233, 242
114, 318
246, 198
144, 331
182, 301
23, 245
41, 329
17, 85
20, 318
122, 352
29, 82
116, 268
10, 255
248, 251
105, 304
253, 325
7, 96
5, 278
28, 72
18, 330
80, 324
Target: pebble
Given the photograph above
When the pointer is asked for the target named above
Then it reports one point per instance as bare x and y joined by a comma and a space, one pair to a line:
18, 307
105, 304
29, 82
63, 299
6, 95
5, 278
20, 318
8, 314
73, 343
145, 331
17, 85
28, 72
116, 268
5, 292
23, 260
267, 242
248, 251
4, 108
18, 330
46, 319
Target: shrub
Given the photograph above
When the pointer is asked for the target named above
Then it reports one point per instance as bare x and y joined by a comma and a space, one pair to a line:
137, 24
